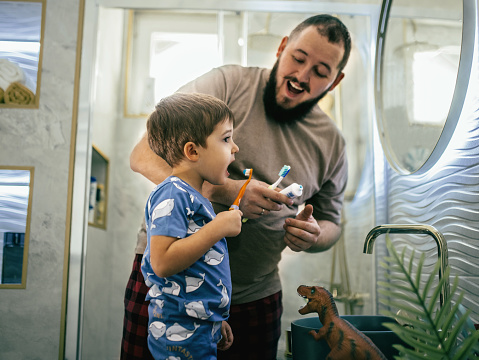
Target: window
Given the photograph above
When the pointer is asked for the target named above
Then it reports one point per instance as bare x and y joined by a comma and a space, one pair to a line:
178, 58
435, 79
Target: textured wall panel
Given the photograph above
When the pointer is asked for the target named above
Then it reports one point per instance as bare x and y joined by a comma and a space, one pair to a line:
446, 197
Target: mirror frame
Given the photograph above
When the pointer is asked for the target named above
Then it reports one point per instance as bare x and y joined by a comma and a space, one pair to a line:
23, 284
36, 103
460, 90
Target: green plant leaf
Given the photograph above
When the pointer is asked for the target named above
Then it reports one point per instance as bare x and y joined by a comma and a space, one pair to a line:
438, 289
446, 315
432, 331
419, 270
468, 347
394, 287
418, 335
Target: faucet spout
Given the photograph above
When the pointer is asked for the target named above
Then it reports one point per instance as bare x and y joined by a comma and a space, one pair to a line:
442, 252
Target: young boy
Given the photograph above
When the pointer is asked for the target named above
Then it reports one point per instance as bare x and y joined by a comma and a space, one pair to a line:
186, 263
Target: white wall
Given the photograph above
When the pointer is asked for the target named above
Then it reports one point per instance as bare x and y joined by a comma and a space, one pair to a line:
103, 298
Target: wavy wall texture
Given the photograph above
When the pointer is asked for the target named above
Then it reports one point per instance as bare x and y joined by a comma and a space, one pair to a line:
446, 197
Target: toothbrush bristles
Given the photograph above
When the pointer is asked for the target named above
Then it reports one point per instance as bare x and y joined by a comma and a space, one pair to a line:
246, 172
284, 170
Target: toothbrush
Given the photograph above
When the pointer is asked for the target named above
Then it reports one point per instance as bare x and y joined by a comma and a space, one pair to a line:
282, 173
246, 172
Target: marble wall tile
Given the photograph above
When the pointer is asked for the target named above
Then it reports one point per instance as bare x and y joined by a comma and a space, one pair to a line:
41, 138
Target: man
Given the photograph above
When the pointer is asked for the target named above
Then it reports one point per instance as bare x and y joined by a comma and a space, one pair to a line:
278, 122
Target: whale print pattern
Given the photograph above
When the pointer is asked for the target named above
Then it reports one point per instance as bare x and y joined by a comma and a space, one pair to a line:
198, 297
194, 227
154, 291
213, 257
159, 303
194, 283
162, 209
196, 309
177, 332
225, 299
157, 329
174, 289
147, 279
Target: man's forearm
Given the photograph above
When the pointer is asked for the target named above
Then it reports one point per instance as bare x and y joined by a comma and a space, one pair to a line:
221, 194
330, 234
144, 161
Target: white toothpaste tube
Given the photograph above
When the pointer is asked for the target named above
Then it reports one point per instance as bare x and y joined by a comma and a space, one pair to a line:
292, 191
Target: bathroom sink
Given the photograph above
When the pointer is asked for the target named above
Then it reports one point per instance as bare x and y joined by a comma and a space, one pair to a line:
304, 347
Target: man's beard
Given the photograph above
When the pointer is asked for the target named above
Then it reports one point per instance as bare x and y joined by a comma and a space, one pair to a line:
276, 111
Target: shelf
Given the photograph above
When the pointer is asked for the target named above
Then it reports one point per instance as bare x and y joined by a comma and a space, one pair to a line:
97, 213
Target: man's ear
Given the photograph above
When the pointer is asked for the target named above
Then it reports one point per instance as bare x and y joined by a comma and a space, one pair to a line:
336, 81
190, 150
281, 46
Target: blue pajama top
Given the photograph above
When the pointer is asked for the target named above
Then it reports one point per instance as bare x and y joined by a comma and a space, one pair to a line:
203, 290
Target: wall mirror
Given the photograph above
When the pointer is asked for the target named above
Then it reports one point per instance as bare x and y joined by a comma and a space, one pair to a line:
16, 184
423, 61
21, 38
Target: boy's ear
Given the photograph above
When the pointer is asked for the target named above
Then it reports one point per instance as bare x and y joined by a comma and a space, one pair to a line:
190, 150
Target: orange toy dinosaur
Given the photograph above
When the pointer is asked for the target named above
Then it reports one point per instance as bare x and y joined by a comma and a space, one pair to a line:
345, 341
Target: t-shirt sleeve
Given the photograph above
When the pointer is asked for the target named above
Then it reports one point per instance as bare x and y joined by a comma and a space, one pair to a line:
211, 83
168, 212
327, 203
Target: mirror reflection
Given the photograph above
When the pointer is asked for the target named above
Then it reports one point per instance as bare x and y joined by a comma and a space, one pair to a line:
20, 52
419, 70
15, 209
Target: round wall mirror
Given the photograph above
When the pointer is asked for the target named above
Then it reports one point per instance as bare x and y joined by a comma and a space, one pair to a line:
423, 60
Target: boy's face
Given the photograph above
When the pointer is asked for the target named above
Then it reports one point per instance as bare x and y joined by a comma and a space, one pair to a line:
219, 153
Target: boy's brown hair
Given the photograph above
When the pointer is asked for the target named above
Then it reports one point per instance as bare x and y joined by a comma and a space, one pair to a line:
180, 118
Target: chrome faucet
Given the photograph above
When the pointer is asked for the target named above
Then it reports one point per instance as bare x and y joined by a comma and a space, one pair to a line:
442, 253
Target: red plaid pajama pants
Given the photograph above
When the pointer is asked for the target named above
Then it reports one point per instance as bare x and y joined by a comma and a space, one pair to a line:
134, 344
256, 329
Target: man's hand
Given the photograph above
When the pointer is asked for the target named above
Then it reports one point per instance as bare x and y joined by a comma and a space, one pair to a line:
227, 337
258, 200
305, 233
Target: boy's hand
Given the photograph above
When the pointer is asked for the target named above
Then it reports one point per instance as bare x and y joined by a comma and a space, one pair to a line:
230, 222
227, 337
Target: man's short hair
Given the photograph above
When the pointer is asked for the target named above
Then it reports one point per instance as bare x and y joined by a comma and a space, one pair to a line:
332, 28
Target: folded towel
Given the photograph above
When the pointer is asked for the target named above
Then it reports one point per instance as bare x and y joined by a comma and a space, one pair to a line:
9, 73
2, 96
19, 94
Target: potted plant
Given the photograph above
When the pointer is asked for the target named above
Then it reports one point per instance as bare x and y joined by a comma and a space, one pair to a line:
431, 332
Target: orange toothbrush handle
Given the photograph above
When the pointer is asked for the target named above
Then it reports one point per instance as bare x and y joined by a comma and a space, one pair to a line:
235, 205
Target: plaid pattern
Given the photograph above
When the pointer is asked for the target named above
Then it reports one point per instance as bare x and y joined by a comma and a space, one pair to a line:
256, 329
134, 344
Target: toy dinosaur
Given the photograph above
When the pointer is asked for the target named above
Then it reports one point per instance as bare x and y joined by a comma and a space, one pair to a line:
345, 341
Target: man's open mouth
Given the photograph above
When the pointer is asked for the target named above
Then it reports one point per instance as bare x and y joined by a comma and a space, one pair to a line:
294, 88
